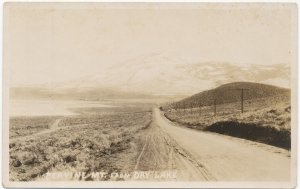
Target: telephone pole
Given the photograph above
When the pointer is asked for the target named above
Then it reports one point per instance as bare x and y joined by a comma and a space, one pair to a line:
215, 106
200, 106
242, 98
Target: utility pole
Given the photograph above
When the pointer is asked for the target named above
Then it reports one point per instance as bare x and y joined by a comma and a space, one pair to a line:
242, 98
200, 109
215, 107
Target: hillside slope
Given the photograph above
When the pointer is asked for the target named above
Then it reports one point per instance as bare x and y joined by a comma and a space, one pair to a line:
266, 116
231, 92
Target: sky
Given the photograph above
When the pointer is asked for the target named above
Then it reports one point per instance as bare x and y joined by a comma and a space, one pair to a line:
63, 42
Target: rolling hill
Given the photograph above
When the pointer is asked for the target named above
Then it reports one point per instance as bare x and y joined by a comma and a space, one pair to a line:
231, 92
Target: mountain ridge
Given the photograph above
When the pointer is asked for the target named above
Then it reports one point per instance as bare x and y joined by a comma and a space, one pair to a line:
160, 74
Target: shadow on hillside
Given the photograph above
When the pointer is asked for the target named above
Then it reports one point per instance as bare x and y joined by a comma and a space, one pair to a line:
267, 135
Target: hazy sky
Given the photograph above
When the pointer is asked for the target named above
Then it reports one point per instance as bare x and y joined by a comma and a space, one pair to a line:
53, 43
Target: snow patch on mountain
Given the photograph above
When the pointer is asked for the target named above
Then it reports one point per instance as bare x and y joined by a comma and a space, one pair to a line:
159, 74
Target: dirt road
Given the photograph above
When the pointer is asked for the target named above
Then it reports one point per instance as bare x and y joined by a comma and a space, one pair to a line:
198, 155
53, 127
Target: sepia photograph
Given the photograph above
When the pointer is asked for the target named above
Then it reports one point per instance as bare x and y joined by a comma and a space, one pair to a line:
147, 95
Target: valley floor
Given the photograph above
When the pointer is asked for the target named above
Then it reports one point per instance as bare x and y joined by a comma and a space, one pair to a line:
143, 144
96, 140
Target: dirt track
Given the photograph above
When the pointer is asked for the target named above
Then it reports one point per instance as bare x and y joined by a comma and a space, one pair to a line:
200, 156
53, 127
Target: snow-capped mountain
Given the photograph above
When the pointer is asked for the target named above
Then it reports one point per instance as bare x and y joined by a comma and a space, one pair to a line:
158, 74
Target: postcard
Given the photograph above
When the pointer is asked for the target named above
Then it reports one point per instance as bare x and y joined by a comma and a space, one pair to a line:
143, 95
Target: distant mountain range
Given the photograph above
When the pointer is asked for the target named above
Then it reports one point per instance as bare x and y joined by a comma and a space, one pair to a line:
159, 74
156, 74
230, 92
72, 93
